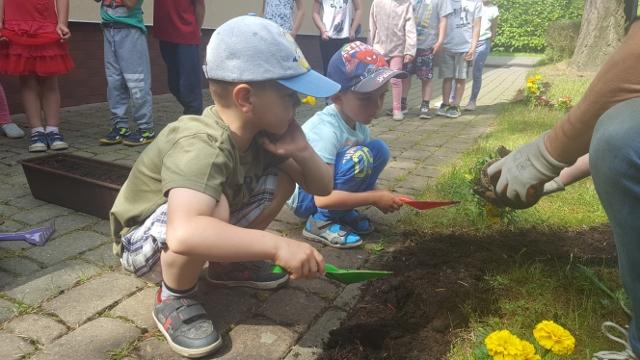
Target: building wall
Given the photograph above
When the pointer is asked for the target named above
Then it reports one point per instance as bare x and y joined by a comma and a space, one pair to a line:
87, 83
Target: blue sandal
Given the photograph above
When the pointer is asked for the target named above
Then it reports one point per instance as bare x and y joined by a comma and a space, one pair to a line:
330, 233
359, 223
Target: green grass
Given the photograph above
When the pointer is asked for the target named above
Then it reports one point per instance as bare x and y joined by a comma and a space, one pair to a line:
516, 124
537, 290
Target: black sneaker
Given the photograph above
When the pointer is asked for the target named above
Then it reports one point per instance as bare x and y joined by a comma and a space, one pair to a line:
442, 110
453, 112
184, 323
139, 137
425, 112
38, 142
115, 136
55, 141
253, 274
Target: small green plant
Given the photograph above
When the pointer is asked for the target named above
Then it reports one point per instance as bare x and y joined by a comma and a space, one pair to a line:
24, 309
378, 248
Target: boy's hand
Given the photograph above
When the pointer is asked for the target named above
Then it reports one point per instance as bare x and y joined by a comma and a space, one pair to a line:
299, 259
63, 32
408, 59
386, 202
436, 47
325, 35
470, 54
290, 144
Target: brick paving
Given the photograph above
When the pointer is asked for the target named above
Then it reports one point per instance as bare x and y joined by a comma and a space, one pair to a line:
70, 300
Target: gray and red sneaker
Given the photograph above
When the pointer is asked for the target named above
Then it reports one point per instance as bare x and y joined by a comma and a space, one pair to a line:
253, 274
184, 323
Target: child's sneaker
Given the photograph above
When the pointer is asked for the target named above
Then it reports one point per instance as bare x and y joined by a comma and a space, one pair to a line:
397, 116
471, 106
139, 137
253, 274
184, 323
56, 141
442, 110
12, 131
453, 112
38, 142
330, 233
115, 136
425, 112
359, 223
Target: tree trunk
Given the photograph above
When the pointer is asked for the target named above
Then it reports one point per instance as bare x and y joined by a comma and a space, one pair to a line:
601, 32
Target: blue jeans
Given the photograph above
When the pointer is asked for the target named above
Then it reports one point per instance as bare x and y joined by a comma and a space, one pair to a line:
614, 159
184, 73
356, 170
482, 52
126, 64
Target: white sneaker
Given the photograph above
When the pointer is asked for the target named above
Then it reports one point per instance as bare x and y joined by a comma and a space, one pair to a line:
12, 131
398, 116
471, 106
626, 354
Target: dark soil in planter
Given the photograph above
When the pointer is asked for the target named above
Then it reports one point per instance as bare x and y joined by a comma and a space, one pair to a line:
113, 174
411, 315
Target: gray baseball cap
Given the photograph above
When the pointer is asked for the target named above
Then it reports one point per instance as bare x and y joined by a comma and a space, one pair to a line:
250, 48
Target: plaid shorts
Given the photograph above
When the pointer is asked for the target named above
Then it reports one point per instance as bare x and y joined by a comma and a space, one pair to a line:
422, 64
142, 245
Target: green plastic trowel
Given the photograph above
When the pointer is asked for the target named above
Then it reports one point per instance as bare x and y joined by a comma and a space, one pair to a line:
346, 276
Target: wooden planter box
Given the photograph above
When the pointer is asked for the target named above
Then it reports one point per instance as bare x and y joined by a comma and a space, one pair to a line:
83, 184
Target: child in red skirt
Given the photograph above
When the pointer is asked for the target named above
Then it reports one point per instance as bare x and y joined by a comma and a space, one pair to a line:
33, 47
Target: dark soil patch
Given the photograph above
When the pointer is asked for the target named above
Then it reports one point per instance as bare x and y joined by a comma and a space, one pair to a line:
110, 173
411, 316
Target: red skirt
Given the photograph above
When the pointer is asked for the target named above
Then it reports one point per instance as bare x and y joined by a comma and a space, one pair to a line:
33, 50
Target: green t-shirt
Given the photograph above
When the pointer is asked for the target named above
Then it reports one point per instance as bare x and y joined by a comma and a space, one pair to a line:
115, 11
195, 152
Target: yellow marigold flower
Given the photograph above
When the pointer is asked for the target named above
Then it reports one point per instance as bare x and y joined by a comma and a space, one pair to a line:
310, 100
538, 77
527, 351
554, 337
503, 345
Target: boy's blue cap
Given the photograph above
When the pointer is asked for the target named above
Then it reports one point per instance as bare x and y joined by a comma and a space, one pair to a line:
359, 67
250, 48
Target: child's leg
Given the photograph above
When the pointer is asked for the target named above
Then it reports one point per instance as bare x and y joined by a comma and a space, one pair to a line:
396, 84
4, 108
406, 86
117, 92
190, 83
482, 52
30, 91
446, 90
283, 190
133, 58
50, 100
169, 54
460, 84
357, 170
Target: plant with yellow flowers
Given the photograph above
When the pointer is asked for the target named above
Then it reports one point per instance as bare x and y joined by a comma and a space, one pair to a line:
309, 100
564, 103
553, 338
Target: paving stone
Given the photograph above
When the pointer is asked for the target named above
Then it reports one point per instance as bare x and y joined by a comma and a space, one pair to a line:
19, 265
318, 334
8, 192
7, 210
102, 227
392, 173
71, 222
48, 282
66, 246
226, 307
103, 256
26, 202
346, 258
7, 310
156, 349
283, 228
259, 340
303, 353
11, 226
349, 296
427, 171
40, 214
93, 340
40, 328
404, 164
287, 216
82, 302
321, 287
293, 307
138, 307
14, 347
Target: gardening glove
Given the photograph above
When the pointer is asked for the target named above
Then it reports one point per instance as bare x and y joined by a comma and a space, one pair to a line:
553, 186
522, 172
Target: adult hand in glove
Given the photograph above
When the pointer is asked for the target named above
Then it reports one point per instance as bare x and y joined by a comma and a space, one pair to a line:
522, 174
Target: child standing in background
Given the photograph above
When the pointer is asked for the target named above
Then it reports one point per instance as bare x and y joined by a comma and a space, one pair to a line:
36, 52
431, 25
282, 13
393, 33
488, 29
